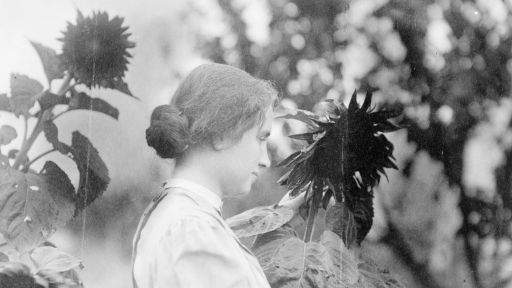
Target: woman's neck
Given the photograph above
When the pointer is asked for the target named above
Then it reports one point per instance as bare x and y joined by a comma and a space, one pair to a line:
198, 172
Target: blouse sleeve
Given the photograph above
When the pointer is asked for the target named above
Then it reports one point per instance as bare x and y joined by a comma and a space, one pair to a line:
199, 253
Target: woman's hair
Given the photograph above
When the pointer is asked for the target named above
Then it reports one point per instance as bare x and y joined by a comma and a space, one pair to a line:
214, 101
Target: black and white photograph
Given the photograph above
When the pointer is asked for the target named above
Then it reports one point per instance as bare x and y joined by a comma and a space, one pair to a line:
256, 144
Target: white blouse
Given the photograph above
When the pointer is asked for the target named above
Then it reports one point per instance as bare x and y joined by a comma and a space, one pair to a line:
186, 243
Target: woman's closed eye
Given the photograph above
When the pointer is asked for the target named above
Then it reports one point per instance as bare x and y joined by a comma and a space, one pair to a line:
264, 137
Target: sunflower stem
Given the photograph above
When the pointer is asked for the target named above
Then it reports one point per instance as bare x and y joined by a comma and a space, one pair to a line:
25, 130
26, 145
65, 85
313, 209
310, 224
60, 114
25, 169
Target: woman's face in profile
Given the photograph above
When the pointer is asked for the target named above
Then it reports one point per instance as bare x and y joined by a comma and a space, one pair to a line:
245, 160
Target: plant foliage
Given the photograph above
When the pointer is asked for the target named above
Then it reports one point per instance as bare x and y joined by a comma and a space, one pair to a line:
291, 262
34, 204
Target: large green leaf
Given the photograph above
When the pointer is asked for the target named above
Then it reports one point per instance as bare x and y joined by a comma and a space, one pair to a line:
83, 101
352, 224
68, 279
48, 267
24, 91
294, 263
7, 134
61, 190
52, 65
265, 244
260, 220
94, 177
32, 206
340, 220
288, 262
51, 258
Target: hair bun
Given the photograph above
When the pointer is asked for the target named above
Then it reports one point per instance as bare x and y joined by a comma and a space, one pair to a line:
168, 132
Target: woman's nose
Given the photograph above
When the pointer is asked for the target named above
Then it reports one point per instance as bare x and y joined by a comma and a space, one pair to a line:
264, 159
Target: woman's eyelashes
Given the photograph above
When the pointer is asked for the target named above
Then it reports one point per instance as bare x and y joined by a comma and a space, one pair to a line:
264, 137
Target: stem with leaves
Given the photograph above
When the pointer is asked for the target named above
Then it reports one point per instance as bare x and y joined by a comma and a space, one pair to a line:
38, 128
25, 169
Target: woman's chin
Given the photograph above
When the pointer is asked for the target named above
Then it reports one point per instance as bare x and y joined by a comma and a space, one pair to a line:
241, 191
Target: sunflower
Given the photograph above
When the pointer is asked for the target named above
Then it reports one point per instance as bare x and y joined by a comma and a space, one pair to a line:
95, 50
345, 158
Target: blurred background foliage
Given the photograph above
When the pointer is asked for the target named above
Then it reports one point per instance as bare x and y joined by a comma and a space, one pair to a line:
442, 220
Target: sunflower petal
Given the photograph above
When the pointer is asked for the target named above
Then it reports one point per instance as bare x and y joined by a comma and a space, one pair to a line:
387, 126
383, 115
306, 136
367, 101
352, 106
303, 116
283, 179
289, 159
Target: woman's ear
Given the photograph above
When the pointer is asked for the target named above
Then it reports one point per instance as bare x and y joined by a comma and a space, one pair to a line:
221, 143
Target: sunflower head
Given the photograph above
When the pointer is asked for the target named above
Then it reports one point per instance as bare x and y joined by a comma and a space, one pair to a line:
95, 50
345, 157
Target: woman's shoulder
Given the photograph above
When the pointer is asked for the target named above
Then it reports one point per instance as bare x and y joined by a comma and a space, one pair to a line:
178, 207
194, 226
175, 215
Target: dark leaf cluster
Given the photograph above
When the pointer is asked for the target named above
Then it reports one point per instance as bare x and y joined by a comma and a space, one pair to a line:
94, 176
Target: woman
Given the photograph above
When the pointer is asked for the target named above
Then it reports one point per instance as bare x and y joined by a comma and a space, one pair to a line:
216, 128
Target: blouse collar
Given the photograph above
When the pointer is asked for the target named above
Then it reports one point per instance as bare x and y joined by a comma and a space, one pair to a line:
195, 190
